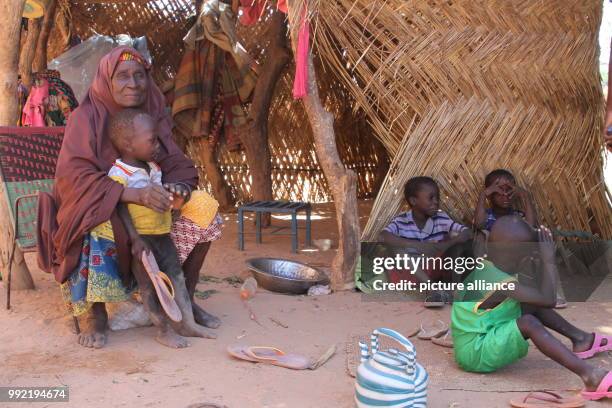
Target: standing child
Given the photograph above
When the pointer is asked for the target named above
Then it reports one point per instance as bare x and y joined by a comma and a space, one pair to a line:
425, 223
491, 327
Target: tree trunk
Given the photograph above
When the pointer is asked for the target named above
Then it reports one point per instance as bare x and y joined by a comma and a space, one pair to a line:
205, 154
40, 57
10, 25
63, 27
255, 136
26, 56
342, 182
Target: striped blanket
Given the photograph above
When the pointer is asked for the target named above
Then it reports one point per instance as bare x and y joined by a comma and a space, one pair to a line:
215, 79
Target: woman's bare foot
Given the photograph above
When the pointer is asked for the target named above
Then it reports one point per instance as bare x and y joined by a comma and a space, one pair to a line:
93, 333
169, 338
202, 317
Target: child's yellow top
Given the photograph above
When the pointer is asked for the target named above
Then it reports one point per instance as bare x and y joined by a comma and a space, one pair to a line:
145, 220
201, 208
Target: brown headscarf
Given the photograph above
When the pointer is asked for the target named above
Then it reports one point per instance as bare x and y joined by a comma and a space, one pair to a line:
84, 196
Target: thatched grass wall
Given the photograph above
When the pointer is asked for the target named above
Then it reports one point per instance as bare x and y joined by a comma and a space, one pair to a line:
465, 86
295, 170
473, 85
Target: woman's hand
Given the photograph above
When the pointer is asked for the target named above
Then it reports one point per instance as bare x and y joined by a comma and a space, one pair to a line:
155, 197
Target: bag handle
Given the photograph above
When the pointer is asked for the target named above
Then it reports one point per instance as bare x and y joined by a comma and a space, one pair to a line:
401, 339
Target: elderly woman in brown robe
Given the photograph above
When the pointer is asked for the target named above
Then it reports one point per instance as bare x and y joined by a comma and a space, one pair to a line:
86, 197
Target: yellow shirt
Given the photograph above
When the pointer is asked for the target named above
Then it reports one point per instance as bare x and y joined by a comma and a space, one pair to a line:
145, 220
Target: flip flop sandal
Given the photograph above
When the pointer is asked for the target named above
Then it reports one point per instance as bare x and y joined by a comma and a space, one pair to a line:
274, 356
239, 352
547, 399
602, 391
270, 355
163, 287
436, 330
597, 347
414, 332
444, 341
433, 301
561, 303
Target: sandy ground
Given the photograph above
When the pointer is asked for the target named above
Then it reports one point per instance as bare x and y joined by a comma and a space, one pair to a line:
37, 347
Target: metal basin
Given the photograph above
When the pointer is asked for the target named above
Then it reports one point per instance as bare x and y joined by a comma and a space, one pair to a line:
284, 276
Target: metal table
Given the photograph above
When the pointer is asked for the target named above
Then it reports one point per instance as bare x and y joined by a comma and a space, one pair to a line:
287, 207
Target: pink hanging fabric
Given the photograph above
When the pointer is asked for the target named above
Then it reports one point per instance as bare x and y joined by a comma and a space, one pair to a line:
281, 5
300, 82
34, 110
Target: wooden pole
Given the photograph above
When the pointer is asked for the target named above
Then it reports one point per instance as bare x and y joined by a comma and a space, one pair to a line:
207, 156
40, 57
26, 55
255, 136
10, 25
342, 182
204, 155
64, 26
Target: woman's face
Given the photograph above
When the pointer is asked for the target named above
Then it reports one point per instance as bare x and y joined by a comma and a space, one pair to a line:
129, 84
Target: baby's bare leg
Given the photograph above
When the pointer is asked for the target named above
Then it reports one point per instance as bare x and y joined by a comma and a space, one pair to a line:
167, 259
191, 267
187, 327
166, 335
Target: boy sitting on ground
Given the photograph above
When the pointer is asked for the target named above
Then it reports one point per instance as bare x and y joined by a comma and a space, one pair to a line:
503, 195
426, 224
504, 198
490, 329
132, 132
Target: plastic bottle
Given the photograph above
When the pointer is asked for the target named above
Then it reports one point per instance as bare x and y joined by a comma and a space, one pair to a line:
248, 288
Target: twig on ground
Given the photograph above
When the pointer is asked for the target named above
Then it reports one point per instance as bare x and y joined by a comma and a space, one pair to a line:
251, 314
324, 358
279, 323
496, 391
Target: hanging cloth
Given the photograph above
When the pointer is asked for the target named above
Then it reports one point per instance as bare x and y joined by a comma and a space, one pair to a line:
300, 82
216, 77
34, 110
